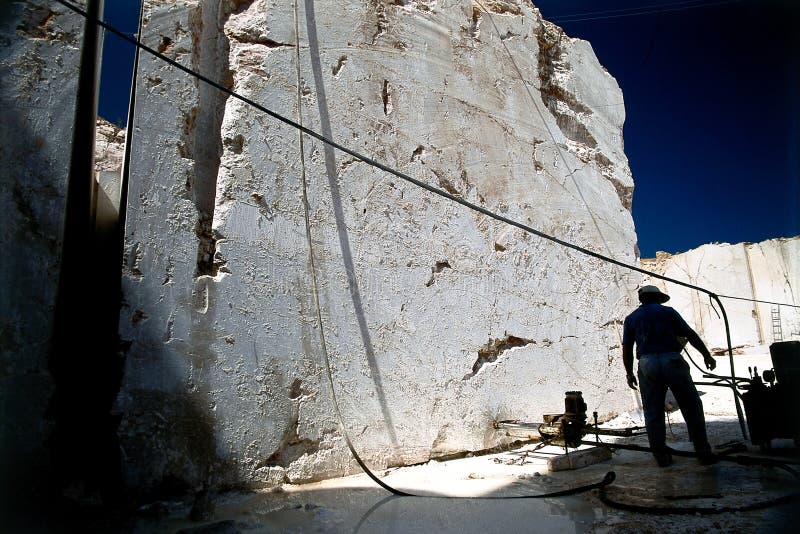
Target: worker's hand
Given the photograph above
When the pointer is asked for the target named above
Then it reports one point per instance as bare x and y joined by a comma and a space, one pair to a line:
710, 362
632, 381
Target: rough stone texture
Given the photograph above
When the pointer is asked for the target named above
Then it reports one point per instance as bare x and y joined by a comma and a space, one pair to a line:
436, 320
768, 271
39, 57
109, 153
109, 147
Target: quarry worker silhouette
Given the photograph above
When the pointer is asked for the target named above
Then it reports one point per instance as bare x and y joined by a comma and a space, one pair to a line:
655, 330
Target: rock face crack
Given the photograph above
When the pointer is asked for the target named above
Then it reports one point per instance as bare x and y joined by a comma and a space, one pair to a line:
474, 26
492, 351
381, 20
446, 184
387, 98
339, 64
210, 53
436, 269
292, 447
564, 106
263, 41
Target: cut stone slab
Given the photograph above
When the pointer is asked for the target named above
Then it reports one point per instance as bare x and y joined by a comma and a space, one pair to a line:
578, 459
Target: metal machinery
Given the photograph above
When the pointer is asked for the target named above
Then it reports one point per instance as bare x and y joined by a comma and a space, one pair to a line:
771, 403
772, 400
566, 429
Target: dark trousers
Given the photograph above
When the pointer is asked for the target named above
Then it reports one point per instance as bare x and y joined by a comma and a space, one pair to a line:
657, 372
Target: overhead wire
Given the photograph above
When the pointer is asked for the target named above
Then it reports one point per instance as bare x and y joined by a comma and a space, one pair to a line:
637, 11
315, 282
640, 7
760, 301
377, 164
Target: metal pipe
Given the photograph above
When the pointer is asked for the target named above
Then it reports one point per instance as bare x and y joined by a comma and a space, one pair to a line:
739, 413
81, 192
587, 429
74, 374
78, 231
126, 161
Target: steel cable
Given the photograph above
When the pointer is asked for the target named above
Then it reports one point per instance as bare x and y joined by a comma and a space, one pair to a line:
683, 510
637, 11
374, 163
315, 283
664, 510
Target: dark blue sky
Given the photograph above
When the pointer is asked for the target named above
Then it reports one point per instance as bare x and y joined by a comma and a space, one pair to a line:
711, 99
711, 96
117, 68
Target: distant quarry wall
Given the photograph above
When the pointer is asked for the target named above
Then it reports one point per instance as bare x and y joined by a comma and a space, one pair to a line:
435, 319
767, 271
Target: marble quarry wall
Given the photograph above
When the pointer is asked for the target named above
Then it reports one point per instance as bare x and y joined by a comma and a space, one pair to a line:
436, 320
767, 271
255, 258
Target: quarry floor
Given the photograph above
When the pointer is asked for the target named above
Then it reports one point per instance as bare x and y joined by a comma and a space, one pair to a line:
356, 504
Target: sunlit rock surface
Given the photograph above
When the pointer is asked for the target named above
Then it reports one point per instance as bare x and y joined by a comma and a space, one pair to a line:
435, 319
109, 154
767, 271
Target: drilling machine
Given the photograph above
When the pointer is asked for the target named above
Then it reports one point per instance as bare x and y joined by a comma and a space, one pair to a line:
772, 400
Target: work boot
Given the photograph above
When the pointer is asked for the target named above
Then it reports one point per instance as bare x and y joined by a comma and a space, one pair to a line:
664, 459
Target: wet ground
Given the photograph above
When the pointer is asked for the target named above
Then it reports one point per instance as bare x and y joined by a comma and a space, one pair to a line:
685, 497
461, 495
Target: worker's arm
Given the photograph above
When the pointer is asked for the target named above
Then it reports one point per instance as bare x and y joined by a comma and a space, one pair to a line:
691, 336
698, 344
627, 360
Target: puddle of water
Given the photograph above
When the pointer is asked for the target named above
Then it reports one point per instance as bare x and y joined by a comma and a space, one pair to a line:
365, 511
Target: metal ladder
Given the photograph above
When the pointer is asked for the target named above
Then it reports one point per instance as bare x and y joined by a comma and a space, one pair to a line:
777, 333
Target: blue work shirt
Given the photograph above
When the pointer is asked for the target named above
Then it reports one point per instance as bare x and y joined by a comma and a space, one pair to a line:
655, 329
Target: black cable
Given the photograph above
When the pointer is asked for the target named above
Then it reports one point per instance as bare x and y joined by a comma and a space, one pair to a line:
663, 510
737, 458
606, 481
634, 12
761, 301
705, 372
670, 510
315, 287
384, 167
